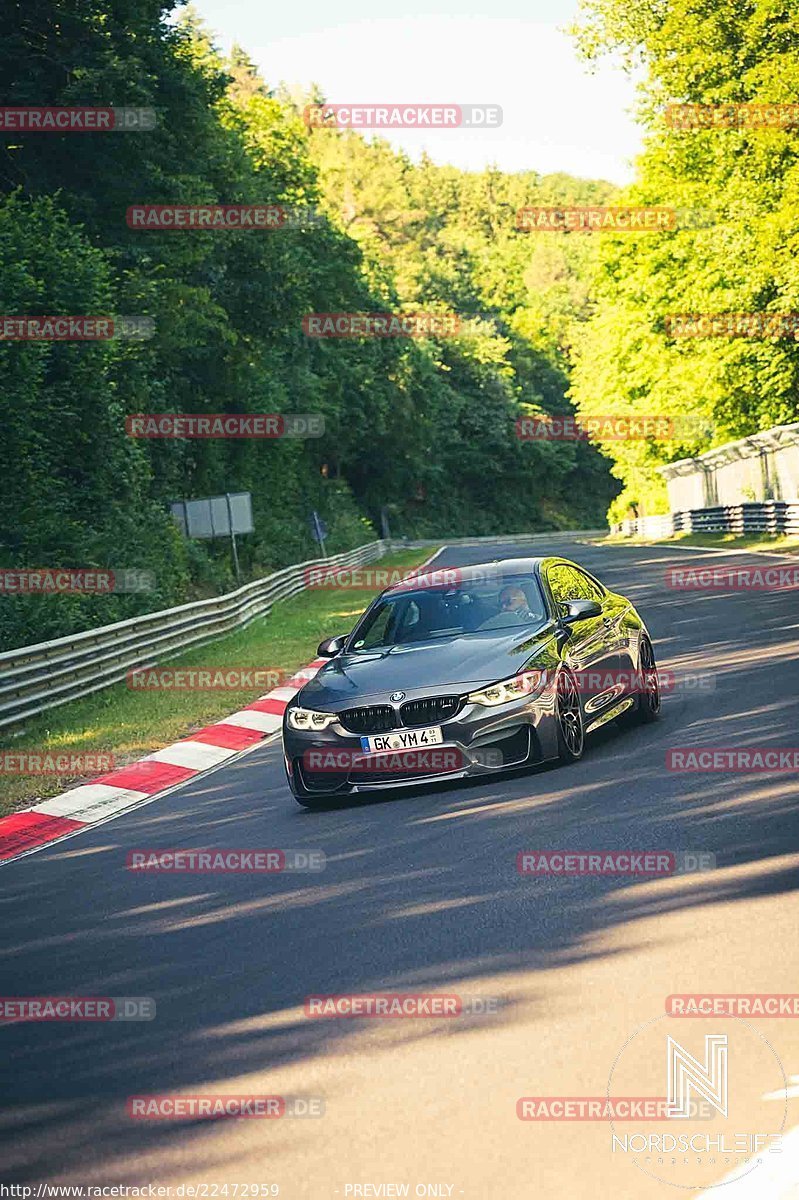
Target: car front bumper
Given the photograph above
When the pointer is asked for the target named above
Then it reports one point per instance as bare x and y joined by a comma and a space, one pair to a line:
477, 741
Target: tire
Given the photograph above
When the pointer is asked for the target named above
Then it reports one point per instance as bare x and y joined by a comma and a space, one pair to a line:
648, 705
569, 718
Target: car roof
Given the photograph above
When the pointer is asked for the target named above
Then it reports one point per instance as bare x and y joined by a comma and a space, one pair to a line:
477, 571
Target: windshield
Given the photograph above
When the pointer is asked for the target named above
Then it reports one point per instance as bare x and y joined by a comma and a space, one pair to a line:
425, 614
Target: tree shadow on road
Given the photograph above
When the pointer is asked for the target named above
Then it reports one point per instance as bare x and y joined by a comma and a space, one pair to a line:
420, 892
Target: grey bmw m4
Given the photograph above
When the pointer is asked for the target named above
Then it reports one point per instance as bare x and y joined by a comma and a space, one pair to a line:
455, 672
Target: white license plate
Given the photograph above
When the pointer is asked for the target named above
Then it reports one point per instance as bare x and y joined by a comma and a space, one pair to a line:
407, 740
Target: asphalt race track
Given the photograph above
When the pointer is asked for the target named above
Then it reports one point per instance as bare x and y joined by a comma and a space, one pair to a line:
420, 894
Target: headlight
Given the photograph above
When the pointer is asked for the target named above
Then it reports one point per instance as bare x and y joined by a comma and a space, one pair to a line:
306, 718
528, 684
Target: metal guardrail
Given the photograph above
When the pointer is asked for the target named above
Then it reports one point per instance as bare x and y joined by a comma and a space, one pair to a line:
768, 516
510, 539
36, 678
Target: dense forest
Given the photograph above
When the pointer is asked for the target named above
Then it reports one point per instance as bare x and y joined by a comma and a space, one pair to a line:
420, 430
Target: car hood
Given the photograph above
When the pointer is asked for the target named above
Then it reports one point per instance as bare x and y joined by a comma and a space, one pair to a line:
451, 664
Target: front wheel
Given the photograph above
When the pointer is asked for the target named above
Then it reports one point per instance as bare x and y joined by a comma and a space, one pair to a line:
569, 716
648, 705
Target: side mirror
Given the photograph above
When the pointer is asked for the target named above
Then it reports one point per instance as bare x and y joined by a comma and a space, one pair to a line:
580, 610
330, 647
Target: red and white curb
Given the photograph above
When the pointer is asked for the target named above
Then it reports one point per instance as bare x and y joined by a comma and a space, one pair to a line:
144, 780
140, 782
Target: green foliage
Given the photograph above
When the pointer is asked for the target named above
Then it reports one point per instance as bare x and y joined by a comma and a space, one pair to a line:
699, 52
422, 429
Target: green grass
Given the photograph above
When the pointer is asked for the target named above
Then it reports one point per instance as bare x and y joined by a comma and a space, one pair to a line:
779, 543
128, 724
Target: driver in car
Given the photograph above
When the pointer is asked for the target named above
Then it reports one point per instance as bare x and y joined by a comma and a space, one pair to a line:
514, 609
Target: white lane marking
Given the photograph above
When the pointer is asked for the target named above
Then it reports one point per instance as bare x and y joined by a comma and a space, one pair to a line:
251, 718
197, 755
774, 1179
281, 693
700, 549
791, 1093
90, 801
305, 675
423, 566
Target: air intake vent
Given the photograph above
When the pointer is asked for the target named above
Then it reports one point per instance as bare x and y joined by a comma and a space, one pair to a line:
377, 718
429, 711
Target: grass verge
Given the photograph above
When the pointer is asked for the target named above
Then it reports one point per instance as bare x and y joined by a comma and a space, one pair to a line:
779, 543
128, 724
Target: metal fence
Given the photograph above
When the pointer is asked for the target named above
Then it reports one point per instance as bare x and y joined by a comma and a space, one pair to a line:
771, 516
36, 678
753, 470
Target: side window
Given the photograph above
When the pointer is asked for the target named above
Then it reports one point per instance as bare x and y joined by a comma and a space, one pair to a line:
558, 578
569, 583
590, 590
581, 586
